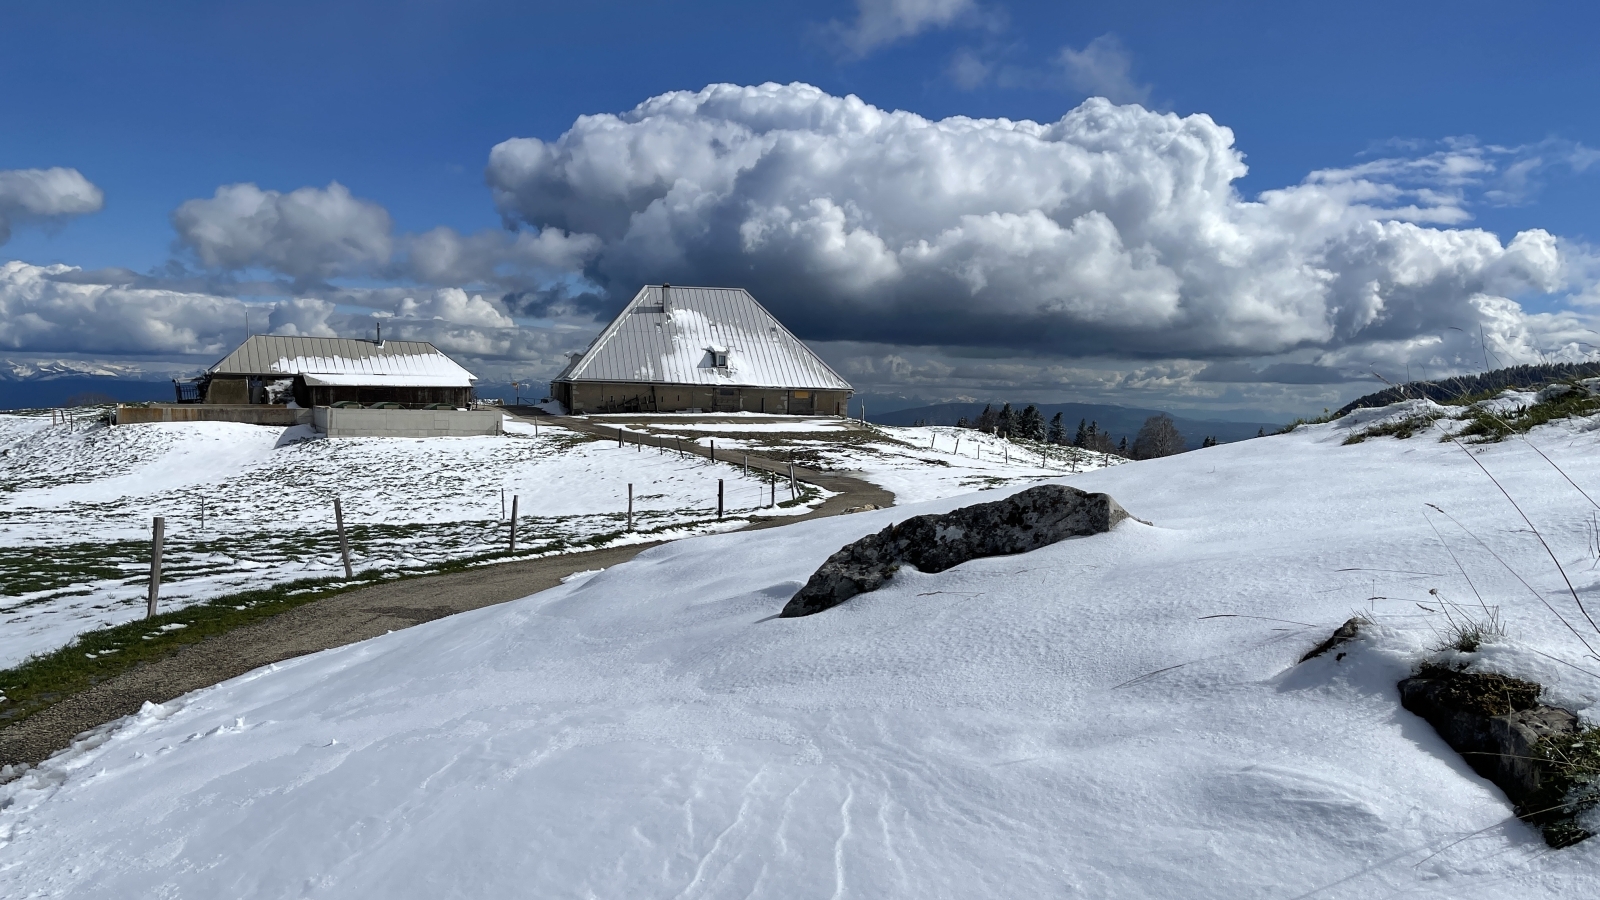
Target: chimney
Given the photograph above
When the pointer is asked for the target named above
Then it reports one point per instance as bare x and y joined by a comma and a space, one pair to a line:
666, 298
380, 333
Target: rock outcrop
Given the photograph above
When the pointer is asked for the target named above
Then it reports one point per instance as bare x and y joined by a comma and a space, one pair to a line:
1034, 518
1501, 729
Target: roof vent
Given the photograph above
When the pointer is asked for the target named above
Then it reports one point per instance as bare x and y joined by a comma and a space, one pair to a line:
666, 300
379, 341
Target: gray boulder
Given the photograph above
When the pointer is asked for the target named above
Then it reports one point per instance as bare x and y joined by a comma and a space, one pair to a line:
1034, 518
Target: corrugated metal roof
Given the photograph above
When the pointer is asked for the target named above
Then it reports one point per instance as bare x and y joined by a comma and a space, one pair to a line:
272, 354
674, 341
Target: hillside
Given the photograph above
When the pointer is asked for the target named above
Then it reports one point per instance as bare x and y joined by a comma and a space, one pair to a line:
1116, 716
1120, 421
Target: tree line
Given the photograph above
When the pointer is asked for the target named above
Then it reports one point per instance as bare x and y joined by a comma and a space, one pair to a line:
1158, 436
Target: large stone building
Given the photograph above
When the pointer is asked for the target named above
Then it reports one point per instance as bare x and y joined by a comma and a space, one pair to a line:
677, 349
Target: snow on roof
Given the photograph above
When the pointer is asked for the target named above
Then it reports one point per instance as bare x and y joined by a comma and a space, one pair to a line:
674, 340
363, 379
409, 363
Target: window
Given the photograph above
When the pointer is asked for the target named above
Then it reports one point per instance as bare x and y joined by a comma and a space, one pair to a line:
720, 360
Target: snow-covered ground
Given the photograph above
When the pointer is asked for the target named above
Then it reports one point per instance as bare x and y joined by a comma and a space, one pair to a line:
1115, 716
914, 463
76, 507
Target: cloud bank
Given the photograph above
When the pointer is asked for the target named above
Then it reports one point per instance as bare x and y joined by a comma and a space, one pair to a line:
1114, 231
30, 196
314, 235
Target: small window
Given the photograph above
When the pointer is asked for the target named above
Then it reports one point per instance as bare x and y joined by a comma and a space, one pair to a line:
720, 360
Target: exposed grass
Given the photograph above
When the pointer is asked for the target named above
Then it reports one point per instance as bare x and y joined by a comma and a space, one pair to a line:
95, 656
1399, 429
1485, 427
1323, 419
1569, 787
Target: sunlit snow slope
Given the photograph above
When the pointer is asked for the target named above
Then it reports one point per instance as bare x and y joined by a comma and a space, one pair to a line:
1062, 723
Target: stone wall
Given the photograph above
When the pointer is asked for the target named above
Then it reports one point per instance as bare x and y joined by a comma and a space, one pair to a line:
602, 397
406, 423
256, 414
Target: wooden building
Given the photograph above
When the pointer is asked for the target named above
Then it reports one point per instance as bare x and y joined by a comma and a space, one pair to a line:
313, 371
677, 349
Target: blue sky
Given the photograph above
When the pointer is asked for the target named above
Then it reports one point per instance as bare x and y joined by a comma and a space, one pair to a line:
161, 104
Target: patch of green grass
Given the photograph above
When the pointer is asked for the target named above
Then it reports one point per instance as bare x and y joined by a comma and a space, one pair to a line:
1399, 429
95, 656
1484, 427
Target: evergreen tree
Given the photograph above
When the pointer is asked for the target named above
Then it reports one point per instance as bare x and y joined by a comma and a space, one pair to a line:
1261, 432
1122, 448
1005, 424
986, 419
1097, 440
1081, 439
1058, 431
1209, 442
963, 423
1030, 425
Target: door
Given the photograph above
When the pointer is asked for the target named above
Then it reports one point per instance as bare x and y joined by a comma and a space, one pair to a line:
802, 403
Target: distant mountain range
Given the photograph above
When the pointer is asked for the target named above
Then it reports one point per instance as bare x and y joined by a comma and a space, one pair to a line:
35, 384
1120, 421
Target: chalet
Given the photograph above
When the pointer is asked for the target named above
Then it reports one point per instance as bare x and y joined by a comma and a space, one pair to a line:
314, 371
677, 349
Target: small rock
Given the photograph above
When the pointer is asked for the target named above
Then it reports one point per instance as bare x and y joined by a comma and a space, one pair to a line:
1034, 518
1341, 635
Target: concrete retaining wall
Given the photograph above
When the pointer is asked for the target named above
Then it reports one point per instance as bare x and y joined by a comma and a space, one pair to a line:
412, 423
257, 414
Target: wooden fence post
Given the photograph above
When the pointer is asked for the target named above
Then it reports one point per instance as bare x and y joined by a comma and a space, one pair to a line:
630, 507
713, 449
619, 436
502, 504
794, 491
747, 465
513, 523
719, 498
344, 544
773, 500
157, 534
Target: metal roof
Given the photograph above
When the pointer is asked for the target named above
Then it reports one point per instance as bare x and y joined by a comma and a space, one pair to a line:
671, 335
272, 354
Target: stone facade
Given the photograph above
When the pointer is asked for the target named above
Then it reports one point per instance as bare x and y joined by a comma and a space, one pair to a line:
603, 397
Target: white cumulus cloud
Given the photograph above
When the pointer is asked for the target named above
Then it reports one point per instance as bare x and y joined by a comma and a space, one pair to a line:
1114, 230
44, 195
310, 234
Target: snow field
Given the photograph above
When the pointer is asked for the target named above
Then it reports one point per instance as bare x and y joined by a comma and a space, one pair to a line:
75, 513
914, 463
1066, 722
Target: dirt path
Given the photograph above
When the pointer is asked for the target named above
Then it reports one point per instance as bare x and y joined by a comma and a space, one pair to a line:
356, 616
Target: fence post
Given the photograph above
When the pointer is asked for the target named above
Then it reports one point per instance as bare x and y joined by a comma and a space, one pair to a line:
719, 498
619, 436
157, 534
713, 449
794, 492
513, 523
773, 500
502, 504
630, 507
747, 465
344, 544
